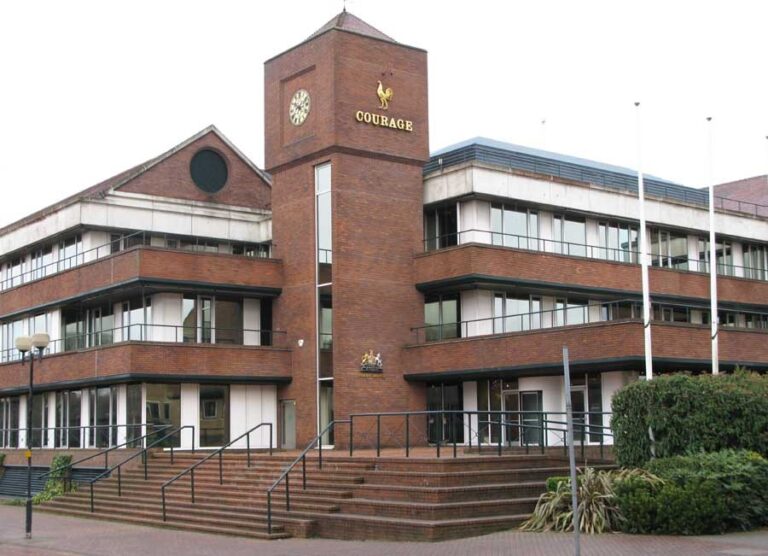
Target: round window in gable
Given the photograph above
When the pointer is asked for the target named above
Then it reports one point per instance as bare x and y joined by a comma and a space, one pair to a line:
209, 170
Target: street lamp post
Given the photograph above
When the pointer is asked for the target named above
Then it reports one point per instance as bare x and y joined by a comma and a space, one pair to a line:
25, 344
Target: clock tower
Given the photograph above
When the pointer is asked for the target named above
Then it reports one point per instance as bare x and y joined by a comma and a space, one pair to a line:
346, 138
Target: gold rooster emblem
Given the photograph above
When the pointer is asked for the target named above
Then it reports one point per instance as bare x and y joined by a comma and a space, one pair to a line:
385, 95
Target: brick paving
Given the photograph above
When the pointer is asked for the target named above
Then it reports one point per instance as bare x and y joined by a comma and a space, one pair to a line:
67, 536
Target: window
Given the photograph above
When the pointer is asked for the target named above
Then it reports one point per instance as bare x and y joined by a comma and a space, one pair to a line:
135, 320
9, 422
669, 249
755, 261
70, 252
9, 332
14, 272
723, 254
164, 410
569, 312
256, 250
324, 213
214, 415
514, 227
618, 242
441, 227
570, 235
441, 316
41, 262
513, 314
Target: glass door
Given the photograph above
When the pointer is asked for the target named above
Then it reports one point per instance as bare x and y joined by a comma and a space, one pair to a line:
578, 405
532, 418
512, 428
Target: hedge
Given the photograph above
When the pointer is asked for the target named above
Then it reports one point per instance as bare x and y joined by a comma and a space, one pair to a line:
687, 414
700, 494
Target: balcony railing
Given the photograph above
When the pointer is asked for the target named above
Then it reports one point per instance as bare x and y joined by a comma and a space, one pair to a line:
142, 238
573, 315
588, 251
158, 333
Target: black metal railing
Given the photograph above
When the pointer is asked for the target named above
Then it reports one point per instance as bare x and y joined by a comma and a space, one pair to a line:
159, 333
302, 457
144, 459
623, 255
444, 426
219, 452
570, 315
128, 444
39, 271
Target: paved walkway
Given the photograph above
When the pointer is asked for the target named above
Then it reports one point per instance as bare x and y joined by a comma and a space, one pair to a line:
68, 536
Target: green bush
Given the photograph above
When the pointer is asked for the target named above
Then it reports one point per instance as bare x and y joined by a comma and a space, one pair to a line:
598, 509
2, 459
702, 493
553, 482
687, 414
56, 483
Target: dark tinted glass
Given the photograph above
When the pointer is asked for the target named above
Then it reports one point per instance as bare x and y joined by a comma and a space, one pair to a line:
209, 171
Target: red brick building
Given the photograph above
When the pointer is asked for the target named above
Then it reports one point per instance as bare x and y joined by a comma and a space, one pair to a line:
357, 274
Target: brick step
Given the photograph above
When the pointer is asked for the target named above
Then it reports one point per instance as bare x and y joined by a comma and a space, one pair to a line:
216, 490
440, 511
460, 478
355, 527
277, 531
233, 519
207, 500
282, 462
237, 483
439, 495
249, 473
478, 463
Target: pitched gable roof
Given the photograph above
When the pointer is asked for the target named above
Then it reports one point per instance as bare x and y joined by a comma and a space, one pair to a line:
101, 189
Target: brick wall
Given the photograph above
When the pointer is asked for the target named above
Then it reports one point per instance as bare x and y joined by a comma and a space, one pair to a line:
171, 178
157, 359
144, 262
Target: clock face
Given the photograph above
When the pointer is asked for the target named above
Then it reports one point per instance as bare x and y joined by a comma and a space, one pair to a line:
299, 107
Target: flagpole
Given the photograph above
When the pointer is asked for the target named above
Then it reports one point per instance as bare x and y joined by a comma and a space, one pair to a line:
712, 255
644, 251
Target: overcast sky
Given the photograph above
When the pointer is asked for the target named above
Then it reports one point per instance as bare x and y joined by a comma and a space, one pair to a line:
89, 89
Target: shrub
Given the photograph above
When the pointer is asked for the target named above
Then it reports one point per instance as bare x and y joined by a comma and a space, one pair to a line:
2, 459
598, 510
56, 483
702, 493
553, 482
687, 414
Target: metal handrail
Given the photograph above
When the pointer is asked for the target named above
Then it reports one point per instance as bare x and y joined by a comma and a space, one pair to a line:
540, 415
145, 460
589, 251
302, 457
141, 238
578, 309
141, 332
106, 451
219, 452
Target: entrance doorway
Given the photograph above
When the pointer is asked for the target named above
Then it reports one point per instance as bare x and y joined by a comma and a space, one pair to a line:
448, 427
523, 423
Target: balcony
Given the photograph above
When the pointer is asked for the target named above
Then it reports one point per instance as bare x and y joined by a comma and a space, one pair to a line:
134, 359
610, 345
480, 262
144, 263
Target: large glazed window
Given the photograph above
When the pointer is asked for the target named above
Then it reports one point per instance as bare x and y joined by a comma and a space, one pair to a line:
514, 226
164, 409
441, 227
214, 415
